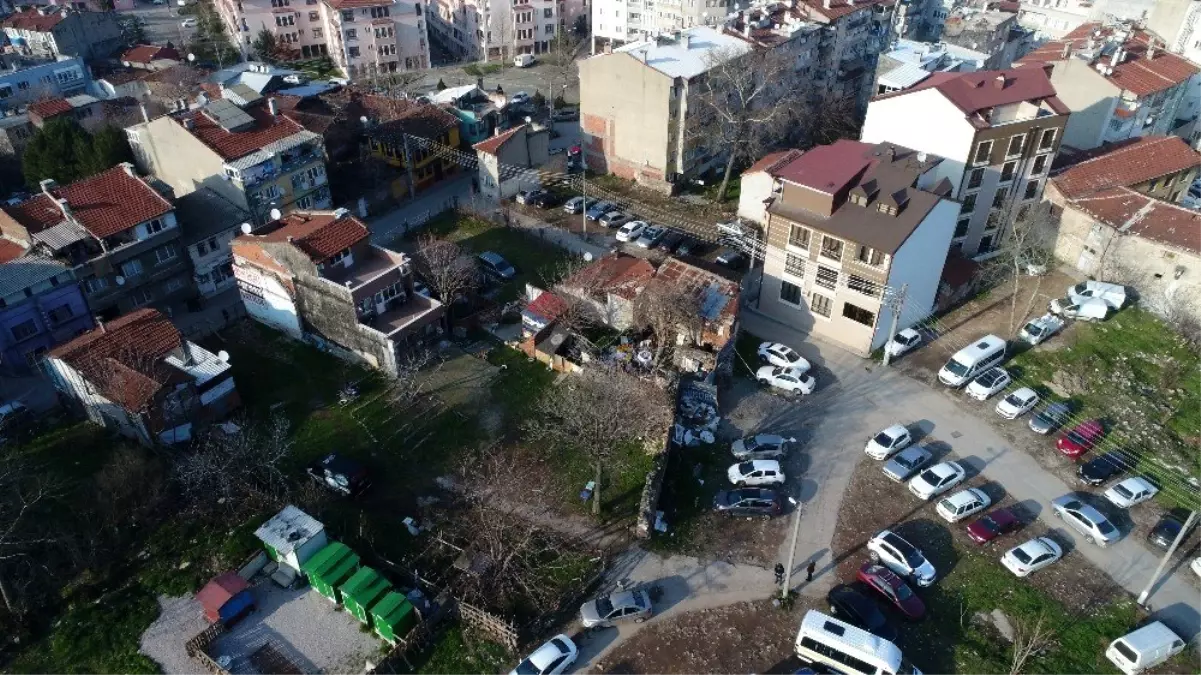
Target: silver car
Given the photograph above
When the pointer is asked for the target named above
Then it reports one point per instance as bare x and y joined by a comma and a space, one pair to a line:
761, 446
906, 463
617, 607
1086, 520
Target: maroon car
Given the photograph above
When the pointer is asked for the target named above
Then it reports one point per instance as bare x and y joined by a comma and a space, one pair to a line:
894, 589
993, 525
1080, 439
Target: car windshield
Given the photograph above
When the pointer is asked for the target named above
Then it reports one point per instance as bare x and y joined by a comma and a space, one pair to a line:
883, 439
930, 477
903, 591
912, 556
1034, 329
526, 667
989, 524
1123, 491
990, 378
957, 368
909, 461
746, 467
1077, 438
604, 606
1022, 556
1013, 399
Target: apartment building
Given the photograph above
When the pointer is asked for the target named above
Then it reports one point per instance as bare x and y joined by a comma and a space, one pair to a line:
41, 306
117, 232
1119, 82
918, 20
910, 62
524, 146
210, 223
990, 31
1178, 22
254, 156
362, 37
998, 133
138, 376
499, 29
843, 223
1053, 19
55, 32
316, 276
623, 21
25, 80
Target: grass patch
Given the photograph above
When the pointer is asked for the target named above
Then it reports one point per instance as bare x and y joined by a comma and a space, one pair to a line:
747, 350
694, 475
461, 652
482, 69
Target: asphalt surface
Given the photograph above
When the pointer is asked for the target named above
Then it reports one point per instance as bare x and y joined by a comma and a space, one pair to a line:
163, 23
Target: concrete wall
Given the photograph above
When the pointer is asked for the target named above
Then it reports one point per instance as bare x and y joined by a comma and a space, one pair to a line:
267, 300
755, 188
98, 409
624, 110
926, 121
915, 264
1091, 98
163, 148
15, 354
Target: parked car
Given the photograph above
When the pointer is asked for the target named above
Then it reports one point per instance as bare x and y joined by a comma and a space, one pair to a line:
761, 446
998, 523
1167, 529
732, 258
792, 380
575, 205
1081, 439
340, 474
565, 114
651, 236
898, 555
749, 502
756, 472
520, 98
692, 246
620, 607
782, 355
524, 60
615, 219
893, 588
1037, 331
1145, 648
494, 265
1051, 418
1017, 403
906, 463
189, 22
540, 198
1101, 469
888, 442
1113, 295
1130, 492
599, 209
552, 658
1031, 556
1082, 309
670, 241
631, 230
973, 360
990, 382
523, 197
1086, 520
848, 604
903, 342
962, 504
936, 480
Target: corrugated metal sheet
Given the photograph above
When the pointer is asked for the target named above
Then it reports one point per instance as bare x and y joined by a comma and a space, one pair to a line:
904, 76
27, 271
288, 530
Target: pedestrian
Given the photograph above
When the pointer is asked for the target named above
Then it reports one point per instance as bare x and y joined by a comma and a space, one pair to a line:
779, 573
809, 570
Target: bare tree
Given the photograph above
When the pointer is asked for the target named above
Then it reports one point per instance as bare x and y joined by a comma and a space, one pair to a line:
669, 311
560, 63
24, 491
1029, 640
582, 291
1027, 251
230, 471
742, 105
827, 121
597, 411
447, 268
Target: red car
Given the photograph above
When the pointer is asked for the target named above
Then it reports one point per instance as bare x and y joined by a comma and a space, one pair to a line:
894, 589
993, 525
1081, 439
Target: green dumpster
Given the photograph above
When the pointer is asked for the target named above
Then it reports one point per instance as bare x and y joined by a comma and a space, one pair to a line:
329, 568
362, 591
393, 617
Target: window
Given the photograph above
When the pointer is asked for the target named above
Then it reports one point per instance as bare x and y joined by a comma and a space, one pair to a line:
379, 12
387, 50
827, 277
95, 285
1031, 190
550, 29
317, 33
155, 226
279, 3
352, 33
140, 297
164, 254
1047, 140
60, 314
969, 204
314, 16
821, 305
998, 200
790, 293
548, 14
353, 52
794, 265
285, 20
348, 15
174, 285
1007, 171
870, 256
961, 227
858, 314
799, 236
837, 655
975, 179
1015, 145
24, 330
861, 285
340, 256
982, 152
132, 268
831, 247
1040, 165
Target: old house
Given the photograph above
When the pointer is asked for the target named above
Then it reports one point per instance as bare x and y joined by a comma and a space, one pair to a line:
40, 306
523, 146
610, 286
709, 344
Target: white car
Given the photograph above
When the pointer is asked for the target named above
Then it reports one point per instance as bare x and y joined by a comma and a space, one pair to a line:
188, 23
1031, 556
761, 446
631, 230
1130, 492
520, 98
1017, 403
903, 342
1196, 565
888, 442
990, 382
898, 555
756, 472
1039, 330
552, 658
962, 504
782, 355
788, 379
936, 480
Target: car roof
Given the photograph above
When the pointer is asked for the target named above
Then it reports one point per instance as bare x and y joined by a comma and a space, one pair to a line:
944, 468
909, 332
965, 496
1138, 481
768, 438
765, 464
1024, 392
913, 451
1005, 515
543, 655
896, 430
492, 256
622, 599
1038, 545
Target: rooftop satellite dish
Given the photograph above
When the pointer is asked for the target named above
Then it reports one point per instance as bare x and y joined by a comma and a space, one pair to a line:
223, 356
364, 119
191, 58
120, 280
587, 257
275, 214
246, 228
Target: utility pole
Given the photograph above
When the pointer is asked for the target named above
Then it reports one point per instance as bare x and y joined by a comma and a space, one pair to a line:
896, 304
1188, 524
796, 530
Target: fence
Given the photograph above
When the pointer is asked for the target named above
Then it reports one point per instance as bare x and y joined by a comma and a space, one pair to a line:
500, 630
197, 647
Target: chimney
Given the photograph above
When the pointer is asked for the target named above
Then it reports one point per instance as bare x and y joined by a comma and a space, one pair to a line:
685, 40
189, 123
1118, 54
890, 152
129, 171
48, 185
65, 208
273, 106
479, 82
826, 4
99, 324
999, 82
642, 54
1151, 49
145, 112
609, 47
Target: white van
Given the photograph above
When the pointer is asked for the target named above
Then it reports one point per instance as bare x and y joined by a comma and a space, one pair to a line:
1114, 295
847, 649
1145, 648
972, 360
1076, 307
523, 60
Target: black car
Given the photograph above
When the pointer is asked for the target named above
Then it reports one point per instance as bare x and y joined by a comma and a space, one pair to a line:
670, 241
340, 474
848, 604
692, 246
1166, 530
732, 258
748, 502
1103, 468
539, 198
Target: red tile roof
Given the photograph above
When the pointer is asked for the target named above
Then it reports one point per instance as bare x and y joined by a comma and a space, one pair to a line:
148, 53
10, 250
837, 8
1135, 213
718, 296
621, 275
123, 359
32, 21
547, 305
319, 235
493, 145
1127, 164
976, 91
109, 202
49, 107
231, 145
773, 161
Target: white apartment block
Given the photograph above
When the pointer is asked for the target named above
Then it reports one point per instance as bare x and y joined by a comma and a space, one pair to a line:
1178, 22
1053, 19
634, 20
499, 29
362, 37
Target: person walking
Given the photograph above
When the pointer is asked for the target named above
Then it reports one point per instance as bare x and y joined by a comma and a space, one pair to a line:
779, 573
809, 570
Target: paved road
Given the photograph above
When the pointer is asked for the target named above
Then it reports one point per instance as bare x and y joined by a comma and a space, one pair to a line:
162, 23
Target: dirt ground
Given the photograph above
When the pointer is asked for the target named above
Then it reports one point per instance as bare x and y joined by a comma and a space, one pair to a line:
742, 638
